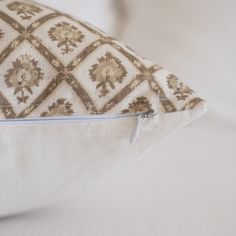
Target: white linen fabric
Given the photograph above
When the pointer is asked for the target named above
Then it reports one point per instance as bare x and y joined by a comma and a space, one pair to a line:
47, 157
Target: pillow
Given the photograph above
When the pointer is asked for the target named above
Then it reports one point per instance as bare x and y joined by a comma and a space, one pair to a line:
75, 104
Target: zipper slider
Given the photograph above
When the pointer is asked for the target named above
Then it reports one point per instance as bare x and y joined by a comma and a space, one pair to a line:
140, 119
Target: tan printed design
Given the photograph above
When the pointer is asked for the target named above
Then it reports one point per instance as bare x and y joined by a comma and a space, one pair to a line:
140, 104
67, 36
1, 34
23, 76
192, 104
107, 72
59, 108
25, 10
180, 89
6, 108
158, 90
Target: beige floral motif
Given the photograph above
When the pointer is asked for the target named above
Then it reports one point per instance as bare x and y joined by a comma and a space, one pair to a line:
141, 104
25, 10
59, 108
107, 72
1, 34
180, 89
192, 104
23, 76
67, 36
114, 76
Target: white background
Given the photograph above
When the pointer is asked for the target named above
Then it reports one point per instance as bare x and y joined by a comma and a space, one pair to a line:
187, 186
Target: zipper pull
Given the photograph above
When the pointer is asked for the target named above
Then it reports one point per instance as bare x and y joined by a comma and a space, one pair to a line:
140, 119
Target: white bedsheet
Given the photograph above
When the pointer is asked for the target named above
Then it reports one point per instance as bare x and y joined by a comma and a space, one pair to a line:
186, 186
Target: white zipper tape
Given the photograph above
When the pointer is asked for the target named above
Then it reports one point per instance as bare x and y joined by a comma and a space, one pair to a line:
67, 118
141, 117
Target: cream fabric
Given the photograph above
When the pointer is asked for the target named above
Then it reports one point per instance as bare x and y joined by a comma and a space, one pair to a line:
38, 161
55, 65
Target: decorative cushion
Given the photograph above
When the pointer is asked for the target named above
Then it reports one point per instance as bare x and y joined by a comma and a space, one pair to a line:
70, 97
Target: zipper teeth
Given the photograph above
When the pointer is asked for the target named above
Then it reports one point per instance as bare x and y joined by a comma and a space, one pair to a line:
72, 118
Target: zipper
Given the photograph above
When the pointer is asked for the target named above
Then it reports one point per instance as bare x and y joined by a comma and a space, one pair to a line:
140, 118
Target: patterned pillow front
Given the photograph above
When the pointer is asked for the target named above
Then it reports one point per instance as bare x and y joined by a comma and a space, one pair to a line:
72, 99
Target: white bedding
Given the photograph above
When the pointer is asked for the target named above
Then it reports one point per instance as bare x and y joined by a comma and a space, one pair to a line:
186, 186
